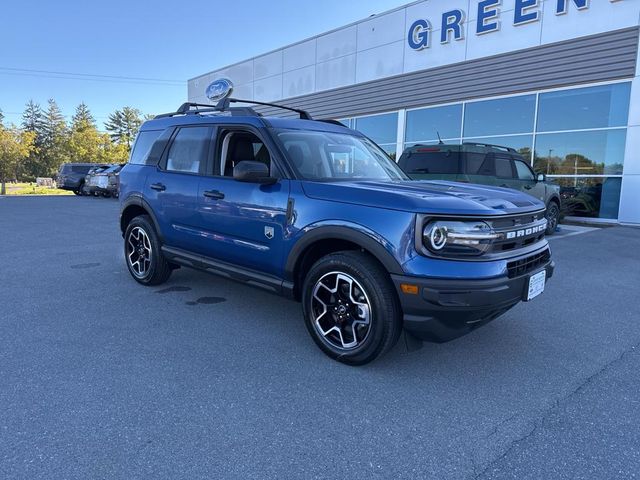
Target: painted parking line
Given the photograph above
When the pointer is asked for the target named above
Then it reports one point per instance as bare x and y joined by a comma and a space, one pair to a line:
571, 230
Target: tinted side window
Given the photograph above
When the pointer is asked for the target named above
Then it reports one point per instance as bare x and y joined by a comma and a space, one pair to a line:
80, 168
477, 163
440, 162
189, 149
142, 147
503, 167
523, 171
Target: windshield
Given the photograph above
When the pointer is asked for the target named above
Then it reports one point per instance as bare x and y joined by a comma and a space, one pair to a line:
325, 156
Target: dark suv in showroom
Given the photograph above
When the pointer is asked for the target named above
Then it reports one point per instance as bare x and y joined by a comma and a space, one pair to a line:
318, 212
484, 164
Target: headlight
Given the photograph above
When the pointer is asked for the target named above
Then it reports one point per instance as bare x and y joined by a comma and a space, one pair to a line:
458, 238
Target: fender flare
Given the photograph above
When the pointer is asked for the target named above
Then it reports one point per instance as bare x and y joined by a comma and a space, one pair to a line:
138, 201
367, 240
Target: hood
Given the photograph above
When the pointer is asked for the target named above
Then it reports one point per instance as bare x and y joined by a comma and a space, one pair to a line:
436, 197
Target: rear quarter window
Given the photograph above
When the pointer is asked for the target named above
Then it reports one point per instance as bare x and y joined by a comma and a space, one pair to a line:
432, 161
142, 147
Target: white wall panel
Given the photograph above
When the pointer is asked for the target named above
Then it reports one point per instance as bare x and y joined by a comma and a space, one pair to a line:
267, 65
268, 89
601, 16
452, 52
299, 82
336, 73
239, 74
299, 55
336, 44
381, 30
379, 62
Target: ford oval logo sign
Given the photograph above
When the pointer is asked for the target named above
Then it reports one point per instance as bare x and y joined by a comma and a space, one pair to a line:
219, 89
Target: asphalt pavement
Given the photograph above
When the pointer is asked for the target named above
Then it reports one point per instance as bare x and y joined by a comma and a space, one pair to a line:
204, 378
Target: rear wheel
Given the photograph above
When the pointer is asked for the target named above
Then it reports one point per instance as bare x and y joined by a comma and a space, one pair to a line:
142, 251
553, 216
350, 307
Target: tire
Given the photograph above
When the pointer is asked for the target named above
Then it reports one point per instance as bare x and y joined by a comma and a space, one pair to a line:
361, 319
77, 192
553, 216
106, 195
142, 253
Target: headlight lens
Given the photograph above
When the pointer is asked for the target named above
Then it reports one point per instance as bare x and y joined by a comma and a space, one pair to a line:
458, 238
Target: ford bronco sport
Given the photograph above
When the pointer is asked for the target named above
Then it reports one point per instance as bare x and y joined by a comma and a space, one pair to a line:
317, 212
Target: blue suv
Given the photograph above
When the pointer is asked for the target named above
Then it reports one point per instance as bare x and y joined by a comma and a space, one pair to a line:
316, 211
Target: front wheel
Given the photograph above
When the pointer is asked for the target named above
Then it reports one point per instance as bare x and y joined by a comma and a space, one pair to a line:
350, 307
142, 253
553, 216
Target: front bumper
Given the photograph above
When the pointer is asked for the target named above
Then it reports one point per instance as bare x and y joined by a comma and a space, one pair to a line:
444, 309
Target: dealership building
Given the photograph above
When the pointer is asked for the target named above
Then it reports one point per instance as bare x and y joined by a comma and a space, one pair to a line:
558, 80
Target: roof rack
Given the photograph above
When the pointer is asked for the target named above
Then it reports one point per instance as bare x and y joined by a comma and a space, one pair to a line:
508, 149
223, 105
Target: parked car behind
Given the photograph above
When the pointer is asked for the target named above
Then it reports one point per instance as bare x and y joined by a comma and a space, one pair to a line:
484, 164
71, 176
91, 180
107, 181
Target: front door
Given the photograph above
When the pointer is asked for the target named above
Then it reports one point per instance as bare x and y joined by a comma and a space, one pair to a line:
526, 181
244, 223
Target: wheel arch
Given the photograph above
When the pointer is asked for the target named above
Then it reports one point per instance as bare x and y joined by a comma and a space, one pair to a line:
324, 240
135, 206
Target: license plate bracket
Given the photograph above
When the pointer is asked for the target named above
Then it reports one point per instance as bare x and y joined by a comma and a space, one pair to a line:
535, 285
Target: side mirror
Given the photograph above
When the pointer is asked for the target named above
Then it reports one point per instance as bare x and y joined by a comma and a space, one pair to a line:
541, 177
253, 172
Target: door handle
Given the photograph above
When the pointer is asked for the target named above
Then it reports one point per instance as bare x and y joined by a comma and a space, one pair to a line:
158, 186
528, 187
215, 194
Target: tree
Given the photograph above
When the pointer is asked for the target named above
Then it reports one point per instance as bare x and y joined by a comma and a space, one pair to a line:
32, 121
54, 138
15, 146
82, 118
123, 125
1, 118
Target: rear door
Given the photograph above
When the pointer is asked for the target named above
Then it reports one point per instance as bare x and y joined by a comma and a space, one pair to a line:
172, 189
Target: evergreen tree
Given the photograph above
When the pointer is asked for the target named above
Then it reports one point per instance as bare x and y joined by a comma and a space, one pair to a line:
82, 118
32, 121
123, 125
54, 137
1, 118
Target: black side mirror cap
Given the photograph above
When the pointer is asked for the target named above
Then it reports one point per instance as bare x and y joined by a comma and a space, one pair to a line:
253, 172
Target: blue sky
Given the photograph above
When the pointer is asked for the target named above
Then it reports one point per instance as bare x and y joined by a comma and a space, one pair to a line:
160, 39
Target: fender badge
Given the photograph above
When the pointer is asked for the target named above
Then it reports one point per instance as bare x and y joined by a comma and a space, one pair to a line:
268, 232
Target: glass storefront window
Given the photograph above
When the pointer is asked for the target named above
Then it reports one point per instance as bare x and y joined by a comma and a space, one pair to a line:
424, 125
520, 143
382, 129
581, 153
581, 108
590, 197
500, 117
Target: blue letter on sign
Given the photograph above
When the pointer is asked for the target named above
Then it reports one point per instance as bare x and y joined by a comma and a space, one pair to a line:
487, 11
563, 5
419, 34
452, 22
521, 16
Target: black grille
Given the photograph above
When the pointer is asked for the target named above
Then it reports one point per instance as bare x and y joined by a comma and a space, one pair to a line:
527, 264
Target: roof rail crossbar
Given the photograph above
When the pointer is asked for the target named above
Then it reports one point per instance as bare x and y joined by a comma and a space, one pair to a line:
223, 105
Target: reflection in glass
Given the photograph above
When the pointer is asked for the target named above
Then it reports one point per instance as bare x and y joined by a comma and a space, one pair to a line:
580, 108
520, 143
581, 153
590, 197
499, 117
425, 125
379, 128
